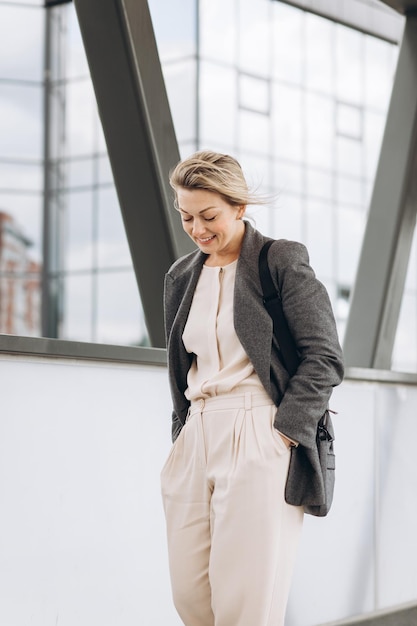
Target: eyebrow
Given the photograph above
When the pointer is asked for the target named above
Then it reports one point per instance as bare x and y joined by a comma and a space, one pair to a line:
200, 212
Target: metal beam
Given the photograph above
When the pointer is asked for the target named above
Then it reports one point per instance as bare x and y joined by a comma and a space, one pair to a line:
406, 7
372, 18
128, 82
382, 269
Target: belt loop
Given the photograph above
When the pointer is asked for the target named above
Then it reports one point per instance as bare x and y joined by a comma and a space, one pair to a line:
248, 400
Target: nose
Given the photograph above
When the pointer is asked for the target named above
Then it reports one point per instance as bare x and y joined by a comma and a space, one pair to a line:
198, 228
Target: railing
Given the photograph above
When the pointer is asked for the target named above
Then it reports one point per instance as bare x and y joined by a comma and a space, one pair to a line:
82, 440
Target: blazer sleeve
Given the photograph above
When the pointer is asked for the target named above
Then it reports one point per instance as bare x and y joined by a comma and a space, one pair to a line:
310, 318
171, 304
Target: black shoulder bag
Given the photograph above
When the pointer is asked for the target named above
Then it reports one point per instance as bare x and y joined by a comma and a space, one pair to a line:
290, 359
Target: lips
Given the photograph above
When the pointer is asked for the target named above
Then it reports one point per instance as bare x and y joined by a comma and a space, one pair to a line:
206, 240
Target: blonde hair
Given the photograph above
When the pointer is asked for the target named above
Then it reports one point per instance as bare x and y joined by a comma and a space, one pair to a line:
216, 172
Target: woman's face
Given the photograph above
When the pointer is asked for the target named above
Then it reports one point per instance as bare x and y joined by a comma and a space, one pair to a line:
211, 222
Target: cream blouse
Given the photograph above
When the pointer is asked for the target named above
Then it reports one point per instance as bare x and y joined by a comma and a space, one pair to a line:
220, 363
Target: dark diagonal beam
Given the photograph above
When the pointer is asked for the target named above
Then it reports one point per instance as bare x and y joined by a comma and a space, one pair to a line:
137, 124
383, 264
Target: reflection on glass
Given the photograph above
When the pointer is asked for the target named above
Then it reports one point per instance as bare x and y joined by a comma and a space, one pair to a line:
21, 176
287, 116
349, 156
288, 177
288, 35
380, 61
80, 172
349, 191
77, 323
320, 130
21, 132
350, 229
20, 281
180, 83
374, 124
319, 56
349, 120
254, 132
217, 16
255, 39
174, 24
288, 218
218, 98
319, 184
254, 94
320, 220
21, 42
113, 249
349, 64
115, 323
26, 212
79, 231
76, 62
81, 118
405, 346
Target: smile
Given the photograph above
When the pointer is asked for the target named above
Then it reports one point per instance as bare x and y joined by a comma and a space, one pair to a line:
206, 240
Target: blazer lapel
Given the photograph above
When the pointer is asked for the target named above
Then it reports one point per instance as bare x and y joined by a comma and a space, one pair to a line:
253, 324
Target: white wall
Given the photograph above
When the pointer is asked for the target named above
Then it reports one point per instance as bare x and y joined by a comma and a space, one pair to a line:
82, 537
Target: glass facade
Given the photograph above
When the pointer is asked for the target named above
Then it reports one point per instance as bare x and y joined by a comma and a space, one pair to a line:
300, 100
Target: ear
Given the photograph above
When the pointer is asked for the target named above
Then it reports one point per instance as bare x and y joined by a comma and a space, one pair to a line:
241, 211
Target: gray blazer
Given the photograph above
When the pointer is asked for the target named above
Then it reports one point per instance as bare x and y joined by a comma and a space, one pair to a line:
301, 400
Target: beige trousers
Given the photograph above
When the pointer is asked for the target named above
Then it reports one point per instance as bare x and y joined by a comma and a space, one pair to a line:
232, 538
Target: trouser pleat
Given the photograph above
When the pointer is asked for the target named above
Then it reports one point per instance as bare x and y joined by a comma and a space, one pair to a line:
232, 538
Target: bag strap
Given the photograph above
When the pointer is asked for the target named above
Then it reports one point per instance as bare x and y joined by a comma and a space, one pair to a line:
273, 304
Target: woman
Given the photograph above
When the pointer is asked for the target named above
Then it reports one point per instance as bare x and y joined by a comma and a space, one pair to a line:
232, 537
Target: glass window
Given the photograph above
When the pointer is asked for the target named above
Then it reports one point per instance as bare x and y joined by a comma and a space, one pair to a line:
288, 34
80, 172
411, 280
105, 174
174, 24
349, 156
76, 65
350, 191
319, 184
218, 30
113, 249
257, 170
218, 98
405, 345
180, 82
350, 230
288, 177
287, 120
21, 43
319, 37
374, 124
25, 211
77, 324
288, 222
255, 36
21, 125
320, 236
21, 176
349, 120
79, 231
254, 94
380, 61
320, 130
254, 132
119, 312
81, 118
349, 64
